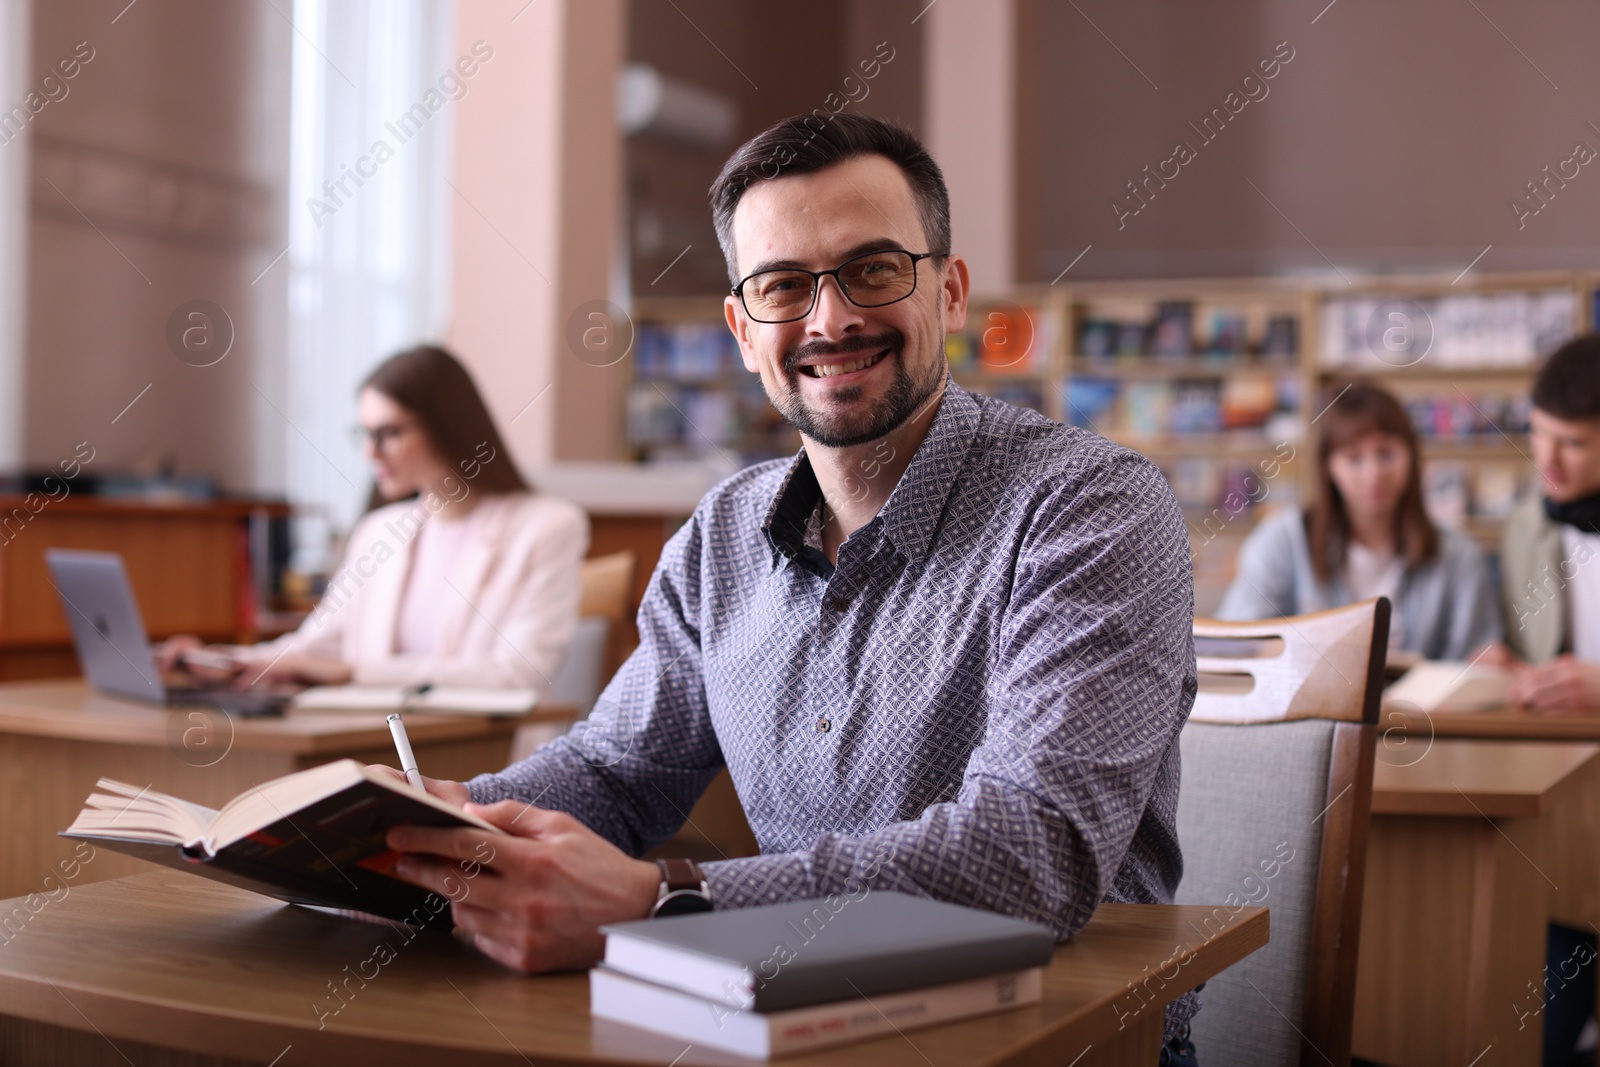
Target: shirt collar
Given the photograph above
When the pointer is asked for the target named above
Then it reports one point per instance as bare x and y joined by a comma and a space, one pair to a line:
912, 512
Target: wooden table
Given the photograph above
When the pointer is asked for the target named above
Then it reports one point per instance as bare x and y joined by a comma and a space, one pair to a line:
57, 738
1475, 847
1403, 728
165, 969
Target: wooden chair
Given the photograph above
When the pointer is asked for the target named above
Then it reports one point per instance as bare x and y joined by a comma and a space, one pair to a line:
1274, 807
594, 654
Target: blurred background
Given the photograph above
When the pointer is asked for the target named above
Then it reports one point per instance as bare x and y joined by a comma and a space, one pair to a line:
1184, 222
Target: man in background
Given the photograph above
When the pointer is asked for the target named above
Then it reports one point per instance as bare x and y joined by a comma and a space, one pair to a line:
1550, 559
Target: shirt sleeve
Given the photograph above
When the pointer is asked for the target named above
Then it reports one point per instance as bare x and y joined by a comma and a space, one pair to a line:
632, 770
1091, 680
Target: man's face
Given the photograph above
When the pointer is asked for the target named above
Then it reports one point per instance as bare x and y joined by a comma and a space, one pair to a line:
844, 375
1567, 453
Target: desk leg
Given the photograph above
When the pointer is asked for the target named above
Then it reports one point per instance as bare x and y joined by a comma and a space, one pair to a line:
1137, 1046
24, 1042
1452, 936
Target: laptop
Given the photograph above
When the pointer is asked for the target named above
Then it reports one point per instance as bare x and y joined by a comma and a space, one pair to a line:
113, 648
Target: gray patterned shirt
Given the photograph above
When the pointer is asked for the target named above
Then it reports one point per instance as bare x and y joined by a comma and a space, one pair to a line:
980, 703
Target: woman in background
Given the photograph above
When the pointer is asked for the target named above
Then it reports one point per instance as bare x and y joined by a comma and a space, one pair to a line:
458, 574
1368, 535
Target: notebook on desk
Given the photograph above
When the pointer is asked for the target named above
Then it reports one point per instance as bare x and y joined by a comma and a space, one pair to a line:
112, 644
435, 699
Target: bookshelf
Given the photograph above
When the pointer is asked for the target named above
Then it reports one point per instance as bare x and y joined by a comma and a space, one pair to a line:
1218, 381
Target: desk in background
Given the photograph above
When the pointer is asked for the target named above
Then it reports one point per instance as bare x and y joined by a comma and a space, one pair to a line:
1415, 727
188, 564
57, 738
1475, 847
166, 969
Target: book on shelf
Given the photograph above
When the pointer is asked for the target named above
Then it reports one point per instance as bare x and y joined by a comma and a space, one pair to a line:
1502, 329
1171, 333
780, 956
315, 837
616, 996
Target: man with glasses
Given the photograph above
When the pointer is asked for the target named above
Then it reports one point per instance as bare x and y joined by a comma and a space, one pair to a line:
946, 650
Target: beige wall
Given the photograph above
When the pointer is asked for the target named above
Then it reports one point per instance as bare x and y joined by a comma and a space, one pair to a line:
538, 169
970, 89
172, 141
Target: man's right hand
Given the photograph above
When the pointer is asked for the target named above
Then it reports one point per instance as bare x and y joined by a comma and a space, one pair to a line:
446, 790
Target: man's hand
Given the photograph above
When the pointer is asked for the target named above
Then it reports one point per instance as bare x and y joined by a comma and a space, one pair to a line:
453, 792
1564, 684
543, 893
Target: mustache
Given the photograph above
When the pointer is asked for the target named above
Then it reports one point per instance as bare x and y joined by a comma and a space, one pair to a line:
889, 339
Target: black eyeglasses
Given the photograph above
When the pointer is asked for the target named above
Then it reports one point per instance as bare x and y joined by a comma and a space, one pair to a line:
380, 437
872, 280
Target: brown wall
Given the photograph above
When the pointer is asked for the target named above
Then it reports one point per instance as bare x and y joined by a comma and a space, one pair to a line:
173, 141
773, 67
1393, 139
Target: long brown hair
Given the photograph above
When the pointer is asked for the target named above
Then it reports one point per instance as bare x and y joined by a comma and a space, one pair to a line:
1358, 410
432, 385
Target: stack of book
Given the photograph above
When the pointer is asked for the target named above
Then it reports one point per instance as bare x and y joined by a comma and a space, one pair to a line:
806, 975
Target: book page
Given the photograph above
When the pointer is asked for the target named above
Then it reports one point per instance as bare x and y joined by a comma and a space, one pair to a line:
141, 814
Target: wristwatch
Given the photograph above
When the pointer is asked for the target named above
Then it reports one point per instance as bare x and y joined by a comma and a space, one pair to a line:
683, 889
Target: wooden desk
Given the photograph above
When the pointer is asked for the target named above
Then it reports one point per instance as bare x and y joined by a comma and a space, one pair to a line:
1509, 725
163, 962
58, 737
1474, 848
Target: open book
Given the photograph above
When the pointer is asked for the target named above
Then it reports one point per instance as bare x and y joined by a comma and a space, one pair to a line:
315, 837
1448, 686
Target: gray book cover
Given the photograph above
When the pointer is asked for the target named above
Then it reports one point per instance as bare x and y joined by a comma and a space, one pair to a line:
790, 955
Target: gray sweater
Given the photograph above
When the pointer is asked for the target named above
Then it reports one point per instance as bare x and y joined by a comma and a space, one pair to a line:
1447, 607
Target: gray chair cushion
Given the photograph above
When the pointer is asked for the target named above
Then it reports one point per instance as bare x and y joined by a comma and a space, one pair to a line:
578, 682
1249, 821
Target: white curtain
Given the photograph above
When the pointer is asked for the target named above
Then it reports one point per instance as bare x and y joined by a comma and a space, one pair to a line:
15, 59
369, 238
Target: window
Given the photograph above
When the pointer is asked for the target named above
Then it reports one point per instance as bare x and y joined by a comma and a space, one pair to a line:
369, 237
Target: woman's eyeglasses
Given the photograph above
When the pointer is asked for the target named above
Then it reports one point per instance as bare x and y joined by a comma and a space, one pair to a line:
380, 437
872, 280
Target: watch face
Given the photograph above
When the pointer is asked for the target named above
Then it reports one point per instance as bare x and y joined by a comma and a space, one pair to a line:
681, 902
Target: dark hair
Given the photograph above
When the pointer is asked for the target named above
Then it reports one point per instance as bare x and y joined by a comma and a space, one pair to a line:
806, 144
1568, 385
432, 384
1359, 410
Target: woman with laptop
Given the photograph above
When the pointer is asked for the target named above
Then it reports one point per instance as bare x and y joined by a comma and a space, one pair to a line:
458, 574
1367, 535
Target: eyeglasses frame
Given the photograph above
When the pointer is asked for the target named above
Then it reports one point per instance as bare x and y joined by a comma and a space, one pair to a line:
818, 275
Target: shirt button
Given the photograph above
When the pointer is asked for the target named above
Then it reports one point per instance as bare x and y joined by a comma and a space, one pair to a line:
823, 725
841, 604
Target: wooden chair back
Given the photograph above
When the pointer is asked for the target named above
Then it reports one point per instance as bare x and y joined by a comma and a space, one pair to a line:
1277, 762
607, 582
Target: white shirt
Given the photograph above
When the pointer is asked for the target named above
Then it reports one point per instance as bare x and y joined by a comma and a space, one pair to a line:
438, 547
1369, 574
1579, 551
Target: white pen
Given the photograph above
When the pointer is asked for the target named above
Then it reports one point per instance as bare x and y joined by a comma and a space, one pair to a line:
402, 744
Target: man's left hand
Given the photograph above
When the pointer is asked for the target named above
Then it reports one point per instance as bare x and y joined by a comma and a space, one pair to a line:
1563, 684
542, 894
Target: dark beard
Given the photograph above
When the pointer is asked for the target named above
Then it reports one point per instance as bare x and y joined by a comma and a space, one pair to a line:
904, 396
